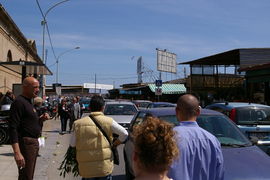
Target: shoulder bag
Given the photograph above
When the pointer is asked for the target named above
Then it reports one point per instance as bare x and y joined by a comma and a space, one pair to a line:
113, 148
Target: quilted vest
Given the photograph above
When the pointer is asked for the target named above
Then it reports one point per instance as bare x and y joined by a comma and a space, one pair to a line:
94, 154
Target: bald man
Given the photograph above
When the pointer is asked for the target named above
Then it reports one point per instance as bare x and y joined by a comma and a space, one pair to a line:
200, 152
25, 129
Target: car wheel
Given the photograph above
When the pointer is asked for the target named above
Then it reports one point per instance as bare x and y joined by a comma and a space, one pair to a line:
3, 136
129, 176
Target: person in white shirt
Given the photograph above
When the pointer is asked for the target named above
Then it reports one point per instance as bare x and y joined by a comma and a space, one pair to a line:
77, 109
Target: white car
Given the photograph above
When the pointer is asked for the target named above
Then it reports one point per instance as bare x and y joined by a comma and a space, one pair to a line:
121, 111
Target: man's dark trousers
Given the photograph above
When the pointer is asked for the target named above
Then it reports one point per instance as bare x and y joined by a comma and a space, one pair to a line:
29, 148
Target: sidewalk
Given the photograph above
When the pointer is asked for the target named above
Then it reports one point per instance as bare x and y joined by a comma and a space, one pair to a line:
50, 159
53, 153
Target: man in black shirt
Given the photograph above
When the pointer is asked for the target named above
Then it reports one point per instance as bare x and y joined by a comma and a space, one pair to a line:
25, 129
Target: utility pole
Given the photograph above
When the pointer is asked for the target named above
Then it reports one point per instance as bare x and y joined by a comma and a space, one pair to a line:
95, 83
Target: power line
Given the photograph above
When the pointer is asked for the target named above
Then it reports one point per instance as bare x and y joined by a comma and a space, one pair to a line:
40, 9
99, 74
47, 28
49, 35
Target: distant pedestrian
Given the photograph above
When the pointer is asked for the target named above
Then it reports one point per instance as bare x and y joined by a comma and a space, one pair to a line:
71, 110
201, 156
81, 105
77, 108
94, 153
39, 109
155, 149
25, 129
64, 115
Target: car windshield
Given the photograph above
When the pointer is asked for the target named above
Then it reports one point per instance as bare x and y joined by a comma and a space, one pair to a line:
162, 105
143, 104
119, 109
218, 125
223, 129
254, 115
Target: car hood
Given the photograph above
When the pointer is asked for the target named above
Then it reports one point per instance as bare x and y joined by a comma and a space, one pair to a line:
247, 163
121, 118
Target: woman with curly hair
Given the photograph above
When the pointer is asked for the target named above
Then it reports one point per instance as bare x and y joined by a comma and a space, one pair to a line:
155, 149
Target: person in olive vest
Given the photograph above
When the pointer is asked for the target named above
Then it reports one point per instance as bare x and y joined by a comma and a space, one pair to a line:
93, 151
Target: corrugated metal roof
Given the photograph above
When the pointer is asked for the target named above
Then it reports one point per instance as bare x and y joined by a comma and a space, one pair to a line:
169, 88
244, 57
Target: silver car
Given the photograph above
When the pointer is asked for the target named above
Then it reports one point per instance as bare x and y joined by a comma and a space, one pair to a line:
253, 120
121, 111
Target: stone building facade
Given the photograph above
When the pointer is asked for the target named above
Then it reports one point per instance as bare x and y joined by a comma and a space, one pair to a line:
13, 47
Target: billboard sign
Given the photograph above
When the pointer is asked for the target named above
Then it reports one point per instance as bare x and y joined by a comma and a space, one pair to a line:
97, 86
166, 61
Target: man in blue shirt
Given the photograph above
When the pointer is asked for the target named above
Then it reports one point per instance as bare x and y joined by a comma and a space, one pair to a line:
200, 155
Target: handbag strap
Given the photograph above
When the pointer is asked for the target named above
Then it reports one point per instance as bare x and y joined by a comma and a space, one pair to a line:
100, 128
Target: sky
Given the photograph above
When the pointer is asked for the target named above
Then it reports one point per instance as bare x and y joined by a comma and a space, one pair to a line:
113, 34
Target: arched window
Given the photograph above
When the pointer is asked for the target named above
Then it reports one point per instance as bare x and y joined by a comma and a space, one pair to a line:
9, 56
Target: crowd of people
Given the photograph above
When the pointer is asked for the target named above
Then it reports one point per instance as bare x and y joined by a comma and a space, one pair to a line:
71, 112
27, 115
161, 151
67, 109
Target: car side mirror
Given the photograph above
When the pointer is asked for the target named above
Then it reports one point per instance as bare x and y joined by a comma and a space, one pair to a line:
254, 140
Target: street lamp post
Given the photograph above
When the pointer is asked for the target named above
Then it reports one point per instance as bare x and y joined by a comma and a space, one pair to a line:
44, 22
57, 61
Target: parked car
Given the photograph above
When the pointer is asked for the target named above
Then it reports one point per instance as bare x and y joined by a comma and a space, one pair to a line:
4, 117
141, 104
242, 159
160, 104
121, 111
252, 119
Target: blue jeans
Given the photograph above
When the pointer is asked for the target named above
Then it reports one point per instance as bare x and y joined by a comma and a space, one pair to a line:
109, 177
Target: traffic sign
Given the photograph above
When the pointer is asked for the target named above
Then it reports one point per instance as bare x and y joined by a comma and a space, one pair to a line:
158, 92
158, 83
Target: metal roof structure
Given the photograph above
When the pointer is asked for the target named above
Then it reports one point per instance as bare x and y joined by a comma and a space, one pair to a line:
169, 88
239, 57
255, 67
27, 67
226, 58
